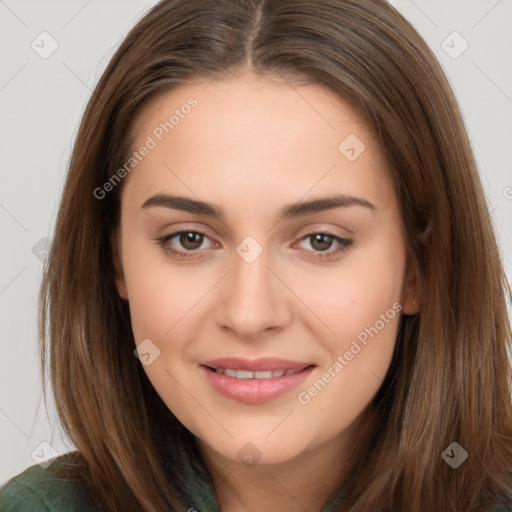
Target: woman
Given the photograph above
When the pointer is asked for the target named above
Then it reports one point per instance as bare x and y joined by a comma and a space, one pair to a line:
274, 205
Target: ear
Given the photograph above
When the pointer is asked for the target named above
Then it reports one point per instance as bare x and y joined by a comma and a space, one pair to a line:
411, 303
118, 268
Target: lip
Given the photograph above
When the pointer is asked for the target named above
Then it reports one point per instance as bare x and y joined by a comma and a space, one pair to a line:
255, 391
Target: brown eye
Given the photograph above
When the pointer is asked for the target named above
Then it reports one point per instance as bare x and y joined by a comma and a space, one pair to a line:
184, 244
321, 245
190, 240
321, 241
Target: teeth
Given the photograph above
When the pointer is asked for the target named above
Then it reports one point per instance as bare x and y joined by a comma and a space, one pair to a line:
246, 374
243, 374
263, 375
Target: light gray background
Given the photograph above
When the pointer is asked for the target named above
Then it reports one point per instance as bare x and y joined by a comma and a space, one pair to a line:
41, 101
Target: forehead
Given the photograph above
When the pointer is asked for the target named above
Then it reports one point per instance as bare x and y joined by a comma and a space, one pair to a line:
263, 134
263, 102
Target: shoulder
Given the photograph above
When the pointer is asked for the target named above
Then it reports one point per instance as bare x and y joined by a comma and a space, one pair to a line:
40, 490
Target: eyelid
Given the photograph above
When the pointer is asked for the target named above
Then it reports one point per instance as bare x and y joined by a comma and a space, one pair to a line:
325, 231
173, 234
169, 232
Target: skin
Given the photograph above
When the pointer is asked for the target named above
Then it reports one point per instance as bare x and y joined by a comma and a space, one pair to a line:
251, 146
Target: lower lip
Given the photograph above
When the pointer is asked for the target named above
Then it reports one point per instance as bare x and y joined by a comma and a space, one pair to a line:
254, 391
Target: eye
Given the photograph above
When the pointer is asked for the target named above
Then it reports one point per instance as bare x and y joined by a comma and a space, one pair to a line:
191, 241
321, 243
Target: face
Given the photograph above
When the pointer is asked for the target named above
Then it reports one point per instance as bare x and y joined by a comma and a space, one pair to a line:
262, 254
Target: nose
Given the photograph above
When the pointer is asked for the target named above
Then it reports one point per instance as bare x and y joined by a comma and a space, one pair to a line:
253, 300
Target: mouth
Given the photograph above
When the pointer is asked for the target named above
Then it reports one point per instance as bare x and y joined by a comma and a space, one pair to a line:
256, 381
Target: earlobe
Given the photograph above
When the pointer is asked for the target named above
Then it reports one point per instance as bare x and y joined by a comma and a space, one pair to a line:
118, 269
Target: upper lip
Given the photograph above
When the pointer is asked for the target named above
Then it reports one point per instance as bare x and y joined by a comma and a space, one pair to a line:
255, 365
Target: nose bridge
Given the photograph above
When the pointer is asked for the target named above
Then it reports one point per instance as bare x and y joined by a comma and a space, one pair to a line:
253, 300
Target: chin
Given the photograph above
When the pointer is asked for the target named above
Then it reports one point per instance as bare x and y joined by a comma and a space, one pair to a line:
255, 450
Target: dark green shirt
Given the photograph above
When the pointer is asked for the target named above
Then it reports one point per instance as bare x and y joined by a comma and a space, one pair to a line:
39, 490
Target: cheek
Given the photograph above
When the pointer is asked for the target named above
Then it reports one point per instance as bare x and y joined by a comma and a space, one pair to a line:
352, 296
158, 293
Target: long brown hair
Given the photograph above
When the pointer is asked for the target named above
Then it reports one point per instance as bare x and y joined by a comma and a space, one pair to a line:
450, 376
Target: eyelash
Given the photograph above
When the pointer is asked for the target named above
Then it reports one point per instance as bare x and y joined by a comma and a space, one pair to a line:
345, 244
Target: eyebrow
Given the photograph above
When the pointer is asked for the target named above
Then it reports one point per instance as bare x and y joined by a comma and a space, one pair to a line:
290, 211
